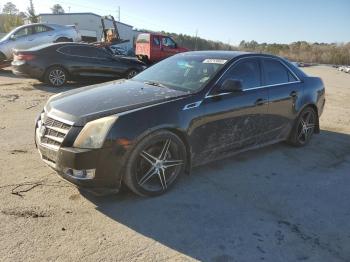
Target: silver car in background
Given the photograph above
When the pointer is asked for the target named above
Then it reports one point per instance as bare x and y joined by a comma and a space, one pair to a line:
32, 35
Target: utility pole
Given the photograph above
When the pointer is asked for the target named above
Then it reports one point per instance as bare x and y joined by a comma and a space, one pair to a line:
68, 9
195, 43
118, 13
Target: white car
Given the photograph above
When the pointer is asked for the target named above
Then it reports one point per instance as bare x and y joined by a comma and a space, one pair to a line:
32, 35
347, 69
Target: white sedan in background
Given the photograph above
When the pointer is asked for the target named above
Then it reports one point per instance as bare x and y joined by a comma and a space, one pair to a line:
28, 36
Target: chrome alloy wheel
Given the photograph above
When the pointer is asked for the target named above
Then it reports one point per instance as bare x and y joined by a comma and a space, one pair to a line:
57, 77
306, 126
157, 168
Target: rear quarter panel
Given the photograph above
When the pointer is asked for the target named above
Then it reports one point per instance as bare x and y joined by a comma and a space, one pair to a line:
314, 93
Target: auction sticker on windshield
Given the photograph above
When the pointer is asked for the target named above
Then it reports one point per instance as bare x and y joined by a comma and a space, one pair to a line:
214, 61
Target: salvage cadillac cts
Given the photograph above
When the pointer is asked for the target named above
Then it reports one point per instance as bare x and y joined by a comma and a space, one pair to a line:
185, 111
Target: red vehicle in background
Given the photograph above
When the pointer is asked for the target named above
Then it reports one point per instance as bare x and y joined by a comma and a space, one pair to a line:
151, 48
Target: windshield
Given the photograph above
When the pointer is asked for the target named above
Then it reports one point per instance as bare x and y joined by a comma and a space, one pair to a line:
8, 34
183, 72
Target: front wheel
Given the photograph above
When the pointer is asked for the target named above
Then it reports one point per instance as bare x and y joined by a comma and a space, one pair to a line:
155, 164
304, 128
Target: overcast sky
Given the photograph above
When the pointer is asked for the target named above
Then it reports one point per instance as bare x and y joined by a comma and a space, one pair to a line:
281, 21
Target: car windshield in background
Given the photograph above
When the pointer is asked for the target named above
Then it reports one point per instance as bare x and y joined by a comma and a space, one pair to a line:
183, 72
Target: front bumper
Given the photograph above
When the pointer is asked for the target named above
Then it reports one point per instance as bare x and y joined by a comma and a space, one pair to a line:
62, 159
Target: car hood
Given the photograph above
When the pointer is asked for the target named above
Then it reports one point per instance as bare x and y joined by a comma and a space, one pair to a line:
89, 103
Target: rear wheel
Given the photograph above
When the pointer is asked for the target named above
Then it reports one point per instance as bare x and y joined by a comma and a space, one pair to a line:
56, 76
155, 164
2, 57
131, 73
304, 127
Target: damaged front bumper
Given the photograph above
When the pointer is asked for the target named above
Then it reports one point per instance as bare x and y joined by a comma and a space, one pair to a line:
95, 170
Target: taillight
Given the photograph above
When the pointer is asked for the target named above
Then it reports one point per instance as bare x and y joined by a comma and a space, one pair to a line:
23, 57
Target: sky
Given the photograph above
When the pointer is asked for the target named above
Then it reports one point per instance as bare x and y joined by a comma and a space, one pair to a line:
229, 21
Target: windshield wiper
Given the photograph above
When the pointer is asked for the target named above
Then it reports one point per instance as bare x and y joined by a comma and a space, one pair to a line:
152, 83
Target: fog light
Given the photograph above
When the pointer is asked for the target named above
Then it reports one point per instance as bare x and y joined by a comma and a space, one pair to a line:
81, 174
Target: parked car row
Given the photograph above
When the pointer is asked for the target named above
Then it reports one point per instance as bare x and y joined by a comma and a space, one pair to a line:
345, 69
49, 53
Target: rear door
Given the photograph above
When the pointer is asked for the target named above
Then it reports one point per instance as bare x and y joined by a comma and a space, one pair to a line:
234, 121
42, 34
285, 92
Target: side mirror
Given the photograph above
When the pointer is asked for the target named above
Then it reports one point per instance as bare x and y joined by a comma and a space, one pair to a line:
231, 85
13, 37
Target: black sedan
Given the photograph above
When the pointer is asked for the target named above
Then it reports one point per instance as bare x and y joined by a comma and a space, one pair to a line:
57, 63
185, 111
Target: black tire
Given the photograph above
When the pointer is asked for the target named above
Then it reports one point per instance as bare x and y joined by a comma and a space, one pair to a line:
304, 128
56, 76
146, 173
131, 73
63, 39
2, 57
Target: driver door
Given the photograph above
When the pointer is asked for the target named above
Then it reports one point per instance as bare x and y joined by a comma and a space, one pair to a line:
23, 38
234, 121
168, 46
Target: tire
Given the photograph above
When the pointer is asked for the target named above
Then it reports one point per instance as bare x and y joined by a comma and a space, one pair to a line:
131, 73
63, 39
56, 76
2, 57
155, 164
304, 128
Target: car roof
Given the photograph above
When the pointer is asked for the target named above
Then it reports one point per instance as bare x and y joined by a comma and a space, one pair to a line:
228, 55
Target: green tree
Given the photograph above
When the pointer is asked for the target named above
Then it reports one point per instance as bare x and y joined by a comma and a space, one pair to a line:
10, 9
57, 9
31, 12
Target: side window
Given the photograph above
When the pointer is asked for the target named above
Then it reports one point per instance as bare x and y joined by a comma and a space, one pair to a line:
156, 41
246, 71
276, 72
168, 42
41, 28
24, 32
85, 51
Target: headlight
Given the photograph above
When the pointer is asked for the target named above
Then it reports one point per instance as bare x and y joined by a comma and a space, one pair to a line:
94, 133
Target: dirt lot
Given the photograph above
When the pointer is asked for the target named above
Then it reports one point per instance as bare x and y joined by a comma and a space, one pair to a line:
274, 204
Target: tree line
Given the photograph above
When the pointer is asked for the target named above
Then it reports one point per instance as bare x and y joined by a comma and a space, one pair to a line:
11, 17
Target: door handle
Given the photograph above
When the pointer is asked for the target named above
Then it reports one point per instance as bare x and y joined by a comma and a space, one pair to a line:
293, 94
260, 102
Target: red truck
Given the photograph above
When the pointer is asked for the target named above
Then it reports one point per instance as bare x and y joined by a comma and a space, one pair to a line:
151, 48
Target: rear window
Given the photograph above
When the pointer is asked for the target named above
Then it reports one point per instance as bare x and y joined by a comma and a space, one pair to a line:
143, 38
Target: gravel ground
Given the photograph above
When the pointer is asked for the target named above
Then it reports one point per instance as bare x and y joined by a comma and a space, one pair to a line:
274, 204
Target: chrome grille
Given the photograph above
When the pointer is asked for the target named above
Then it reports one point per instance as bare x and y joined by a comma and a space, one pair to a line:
53, 131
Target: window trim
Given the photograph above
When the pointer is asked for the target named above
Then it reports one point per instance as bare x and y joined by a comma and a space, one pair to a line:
208, 95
